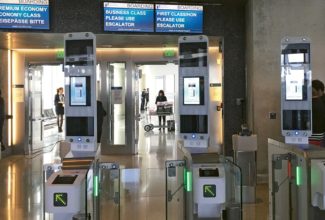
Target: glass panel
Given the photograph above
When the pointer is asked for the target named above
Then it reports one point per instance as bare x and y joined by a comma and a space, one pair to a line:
117, 103
233, 189
90, 192
175, 199
35, 112
107, 191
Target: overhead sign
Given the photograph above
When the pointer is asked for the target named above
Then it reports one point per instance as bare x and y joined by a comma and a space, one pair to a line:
24, 14
209, 191
133, 17
60, 199
179, 18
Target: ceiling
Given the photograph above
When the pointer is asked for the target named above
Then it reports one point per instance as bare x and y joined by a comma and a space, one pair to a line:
50, 41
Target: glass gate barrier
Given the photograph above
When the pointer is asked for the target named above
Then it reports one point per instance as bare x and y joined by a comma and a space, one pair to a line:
183, 187
107, 191
176, 185
233, 190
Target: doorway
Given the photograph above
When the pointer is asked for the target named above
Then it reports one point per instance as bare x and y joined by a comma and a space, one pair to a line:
43, 80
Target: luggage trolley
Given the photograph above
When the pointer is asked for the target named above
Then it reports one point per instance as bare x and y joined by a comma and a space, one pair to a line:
163, 109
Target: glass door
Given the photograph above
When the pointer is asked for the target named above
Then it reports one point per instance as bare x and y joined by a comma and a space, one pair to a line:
116, 104
35, 107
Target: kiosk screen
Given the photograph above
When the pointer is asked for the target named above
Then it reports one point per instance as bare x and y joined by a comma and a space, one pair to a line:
194, 124
80, 126
193, 91
193, 54
79, 48
296, 120
296, 88
80, 91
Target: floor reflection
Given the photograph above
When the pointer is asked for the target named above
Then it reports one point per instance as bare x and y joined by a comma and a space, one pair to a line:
141, 189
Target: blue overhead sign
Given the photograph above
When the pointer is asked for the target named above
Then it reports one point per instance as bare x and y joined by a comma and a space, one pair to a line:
133, 17
24, 14
179, 18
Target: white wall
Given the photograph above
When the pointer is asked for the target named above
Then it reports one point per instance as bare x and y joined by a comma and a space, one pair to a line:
268, 21
52, 78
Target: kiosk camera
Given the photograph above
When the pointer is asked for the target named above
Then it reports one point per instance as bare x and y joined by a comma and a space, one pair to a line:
194, 91
296, 96
80, 88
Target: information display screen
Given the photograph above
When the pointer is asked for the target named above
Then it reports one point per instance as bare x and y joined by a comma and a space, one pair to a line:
179, 18
79, 91
131, 17
24, 14
193, 91
295, 85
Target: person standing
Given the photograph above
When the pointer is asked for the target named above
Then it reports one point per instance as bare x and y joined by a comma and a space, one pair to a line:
147, 97
161, 98
143, 99
318, 116
318, 89
2, 120
59, 107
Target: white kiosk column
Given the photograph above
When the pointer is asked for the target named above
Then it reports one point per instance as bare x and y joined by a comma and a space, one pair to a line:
296, 92
80, 89
65, 191
194, 91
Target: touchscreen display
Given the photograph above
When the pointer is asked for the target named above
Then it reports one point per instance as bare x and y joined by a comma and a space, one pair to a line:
193, 91
295, 86
79, 91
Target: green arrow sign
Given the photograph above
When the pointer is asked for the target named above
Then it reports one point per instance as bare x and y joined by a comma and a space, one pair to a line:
60, 199
209, 191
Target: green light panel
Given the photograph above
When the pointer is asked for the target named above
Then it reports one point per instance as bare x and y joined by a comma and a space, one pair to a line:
95, 186
298, 176
189, 181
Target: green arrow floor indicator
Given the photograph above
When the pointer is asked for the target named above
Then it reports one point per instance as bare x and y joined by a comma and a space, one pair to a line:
60, 199
209, 191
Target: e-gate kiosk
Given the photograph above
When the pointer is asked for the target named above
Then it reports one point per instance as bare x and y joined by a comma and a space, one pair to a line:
194, 91
66, 191
296, 168
209, 187
296, 93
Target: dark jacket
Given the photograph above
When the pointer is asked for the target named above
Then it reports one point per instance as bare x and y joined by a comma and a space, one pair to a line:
318, 115
161, 99
101, 113
59, 109
2, 108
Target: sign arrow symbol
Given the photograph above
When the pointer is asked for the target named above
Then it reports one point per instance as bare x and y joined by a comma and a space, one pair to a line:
207, 189
58, 198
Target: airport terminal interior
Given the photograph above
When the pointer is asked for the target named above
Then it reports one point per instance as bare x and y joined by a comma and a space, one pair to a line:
156, 110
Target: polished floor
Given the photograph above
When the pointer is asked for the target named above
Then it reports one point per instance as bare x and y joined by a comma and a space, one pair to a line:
142, 184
